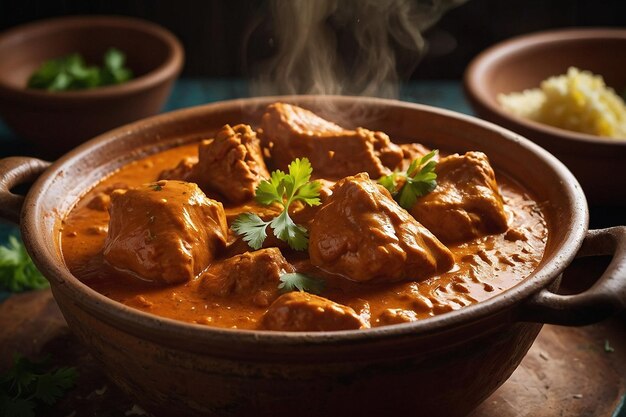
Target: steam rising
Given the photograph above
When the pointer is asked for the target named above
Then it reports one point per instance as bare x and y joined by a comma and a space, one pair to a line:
346, 47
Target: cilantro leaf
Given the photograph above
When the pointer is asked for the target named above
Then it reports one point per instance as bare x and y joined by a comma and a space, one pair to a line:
286, 230
11, 254
309, 193
271, 191
51, 386
300, 171
389, 182
16, 407
114, 71
24, 371
79, 75
71, 72
282, 189
114, 59
407, 197
252, 228
17, 271
31, 384
418, 180
300, 282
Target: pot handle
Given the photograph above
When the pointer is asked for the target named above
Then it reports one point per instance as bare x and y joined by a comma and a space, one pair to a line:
14, 171
605, 297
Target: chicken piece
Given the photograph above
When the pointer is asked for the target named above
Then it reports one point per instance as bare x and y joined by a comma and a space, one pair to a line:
364, 235
303, 312
231, 164
466, 203
253, 275
183, 171
166, 232
334, 152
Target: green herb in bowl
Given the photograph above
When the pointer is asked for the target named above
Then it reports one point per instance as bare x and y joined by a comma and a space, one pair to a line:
72, 73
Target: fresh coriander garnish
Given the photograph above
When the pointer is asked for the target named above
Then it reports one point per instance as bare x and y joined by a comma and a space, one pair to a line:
299, 282
17, 271
282, 189
30, 387
72, 73
252, 227
418, 180
156, 187
114, 71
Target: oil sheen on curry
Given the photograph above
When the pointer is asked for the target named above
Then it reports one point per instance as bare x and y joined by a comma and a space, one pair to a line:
212, 233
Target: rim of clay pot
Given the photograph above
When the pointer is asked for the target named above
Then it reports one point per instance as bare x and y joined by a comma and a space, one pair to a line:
171, 65
155, 326
475, 77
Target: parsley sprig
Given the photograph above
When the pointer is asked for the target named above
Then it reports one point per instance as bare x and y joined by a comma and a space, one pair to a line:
418, 180
17, 271
299, 282
281, 189
30, 385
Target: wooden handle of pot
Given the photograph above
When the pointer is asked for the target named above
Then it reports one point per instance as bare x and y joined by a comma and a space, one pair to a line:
605, 297
14, 171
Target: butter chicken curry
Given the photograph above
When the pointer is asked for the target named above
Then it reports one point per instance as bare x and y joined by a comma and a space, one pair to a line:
349, 231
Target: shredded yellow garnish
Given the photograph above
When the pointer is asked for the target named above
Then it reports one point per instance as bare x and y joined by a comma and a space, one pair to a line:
579, 101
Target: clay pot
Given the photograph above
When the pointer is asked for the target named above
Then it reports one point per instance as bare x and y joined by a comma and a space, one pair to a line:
441, 366
523, 62
58, 121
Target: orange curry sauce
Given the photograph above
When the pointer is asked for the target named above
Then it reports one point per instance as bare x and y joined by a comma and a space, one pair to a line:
483, 267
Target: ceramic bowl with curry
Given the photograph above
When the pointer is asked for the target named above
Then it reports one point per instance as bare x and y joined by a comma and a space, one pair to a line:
310, 255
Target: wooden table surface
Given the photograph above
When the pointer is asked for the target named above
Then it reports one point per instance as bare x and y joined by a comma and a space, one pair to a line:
567, 372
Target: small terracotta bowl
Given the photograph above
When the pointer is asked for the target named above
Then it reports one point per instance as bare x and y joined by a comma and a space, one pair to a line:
58, 121
523, 62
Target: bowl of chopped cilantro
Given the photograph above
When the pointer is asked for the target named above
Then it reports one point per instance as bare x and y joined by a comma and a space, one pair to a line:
71, 72
65, 80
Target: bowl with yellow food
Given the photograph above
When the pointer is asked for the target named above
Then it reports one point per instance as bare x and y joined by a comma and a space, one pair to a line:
564, 89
